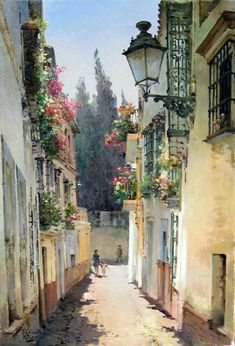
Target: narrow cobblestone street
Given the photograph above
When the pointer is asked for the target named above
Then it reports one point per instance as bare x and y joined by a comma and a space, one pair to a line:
108, 311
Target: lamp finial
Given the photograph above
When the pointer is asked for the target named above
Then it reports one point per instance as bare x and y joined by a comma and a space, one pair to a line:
143, 26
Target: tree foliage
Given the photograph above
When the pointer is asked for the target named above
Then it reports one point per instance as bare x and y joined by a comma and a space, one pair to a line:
96, 165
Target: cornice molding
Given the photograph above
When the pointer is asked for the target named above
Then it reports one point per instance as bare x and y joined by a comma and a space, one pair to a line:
226, 21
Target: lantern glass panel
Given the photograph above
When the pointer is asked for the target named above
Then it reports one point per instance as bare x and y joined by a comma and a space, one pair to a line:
154, 60
136, 60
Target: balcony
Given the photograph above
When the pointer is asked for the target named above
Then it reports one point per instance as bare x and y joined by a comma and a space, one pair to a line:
129, 205
130, 193
225, 135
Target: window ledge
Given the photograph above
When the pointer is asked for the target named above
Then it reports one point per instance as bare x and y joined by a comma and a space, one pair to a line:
129, 204
225, 135
173, 203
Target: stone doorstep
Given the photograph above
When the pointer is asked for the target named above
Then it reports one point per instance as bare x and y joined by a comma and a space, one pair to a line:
17, 324
196, 313
220, 331
14, 327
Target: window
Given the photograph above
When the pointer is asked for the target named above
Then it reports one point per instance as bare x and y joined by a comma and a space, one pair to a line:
57, 184
40, 175
159, 134
148, 151
66, 191
49, 174
72, 258
218, 289
220, 89
174, 244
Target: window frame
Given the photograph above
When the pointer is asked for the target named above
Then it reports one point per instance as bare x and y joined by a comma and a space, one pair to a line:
159, 133
149, 152
219, 102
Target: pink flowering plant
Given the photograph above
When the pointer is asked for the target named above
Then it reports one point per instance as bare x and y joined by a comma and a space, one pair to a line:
50, 213
220, 123
149, 184
71, 215
56, 110
169, 189
160, 186
115, 141
125, 185
121, 127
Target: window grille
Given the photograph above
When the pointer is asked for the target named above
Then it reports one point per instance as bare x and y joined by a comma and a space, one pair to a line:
149, 151
179, 18
159, 134
220, 89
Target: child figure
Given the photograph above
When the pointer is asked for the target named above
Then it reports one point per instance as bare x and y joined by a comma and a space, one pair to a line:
104, 266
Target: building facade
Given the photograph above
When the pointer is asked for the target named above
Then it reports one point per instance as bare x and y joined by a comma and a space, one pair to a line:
209, 300
181, 224
40, 262
19, 232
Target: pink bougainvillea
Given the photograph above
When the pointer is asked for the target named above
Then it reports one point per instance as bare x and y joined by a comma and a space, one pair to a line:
61, 141
54, 87
57, 70
58, 109
111, 140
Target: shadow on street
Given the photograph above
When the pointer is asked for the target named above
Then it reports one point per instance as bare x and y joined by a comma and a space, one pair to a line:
67, 325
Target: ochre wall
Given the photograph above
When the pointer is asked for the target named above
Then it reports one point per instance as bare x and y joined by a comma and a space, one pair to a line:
209, 197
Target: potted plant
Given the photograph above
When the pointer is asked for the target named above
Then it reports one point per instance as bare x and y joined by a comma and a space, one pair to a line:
50, 212
169, 191
126, 110
220, 123
166, 161
125, 185
145, 185
71, 215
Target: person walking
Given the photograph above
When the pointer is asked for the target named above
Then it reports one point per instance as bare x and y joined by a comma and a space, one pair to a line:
119, 254
104, 266
96, 262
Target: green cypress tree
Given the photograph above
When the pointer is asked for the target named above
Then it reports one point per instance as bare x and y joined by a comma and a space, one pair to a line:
97, 165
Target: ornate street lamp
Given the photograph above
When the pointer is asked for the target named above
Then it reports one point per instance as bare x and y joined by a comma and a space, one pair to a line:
145, 55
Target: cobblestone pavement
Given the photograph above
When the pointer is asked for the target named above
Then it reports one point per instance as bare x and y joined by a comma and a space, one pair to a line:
108, 311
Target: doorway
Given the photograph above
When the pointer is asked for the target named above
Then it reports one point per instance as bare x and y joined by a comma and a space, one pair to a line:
218, 289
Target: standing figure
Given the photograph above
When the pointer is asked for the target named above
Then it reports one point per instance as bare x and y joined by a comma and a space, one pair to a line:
104, 266
96, 262
119, 254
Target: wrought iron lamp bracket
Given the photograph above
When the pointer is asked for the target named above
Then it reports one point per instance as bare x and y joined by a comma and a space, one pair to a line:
183, 106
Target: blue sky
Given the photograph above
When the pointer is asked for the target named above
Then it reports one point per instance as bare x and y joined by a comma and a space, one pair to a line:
77, 27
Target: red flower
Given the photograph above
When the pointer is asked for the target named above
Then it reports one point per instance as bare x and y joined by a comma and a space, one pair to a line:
61, 141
